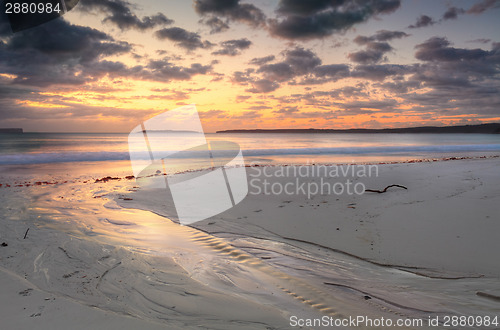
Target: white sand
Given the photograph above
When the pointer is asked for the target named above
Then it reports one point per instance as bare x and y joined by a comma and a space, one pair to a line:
26, 307
447, 221
270, 257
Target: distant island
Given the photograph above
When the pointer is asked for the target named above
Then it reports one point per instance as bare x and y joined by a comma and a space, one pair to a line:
169, 131
11, 131
482, 128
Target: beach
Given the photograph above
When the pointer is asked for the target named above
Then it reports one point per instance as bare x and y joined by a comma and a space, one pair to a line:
116, 254
216, 164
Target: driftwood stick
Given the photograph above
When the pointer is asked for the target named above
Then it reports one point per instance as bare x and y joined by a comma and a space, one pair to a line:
385, 189
26, 233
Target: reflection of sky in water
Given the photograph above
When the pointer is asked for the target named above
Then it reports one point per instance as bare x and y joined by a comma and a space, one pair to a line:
48, 147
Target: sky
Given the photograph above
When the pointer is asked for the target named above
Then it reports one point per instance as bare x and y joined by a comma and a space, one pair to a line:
108, 65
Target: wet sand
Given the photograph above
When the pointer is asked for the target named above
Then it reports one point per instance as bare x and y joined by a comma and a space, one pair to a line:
418, 252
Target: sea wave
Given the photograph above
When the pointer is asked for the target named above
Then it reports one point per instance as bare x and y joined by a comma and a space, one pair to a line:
53, 157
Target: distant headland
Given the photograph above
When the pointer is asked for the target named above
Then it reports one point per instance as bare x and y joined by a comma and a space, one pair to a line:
482, 128
11, 131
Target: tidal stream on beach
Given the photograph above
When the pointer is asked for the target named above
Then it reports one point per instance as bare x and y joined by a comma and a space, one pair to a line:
89, 240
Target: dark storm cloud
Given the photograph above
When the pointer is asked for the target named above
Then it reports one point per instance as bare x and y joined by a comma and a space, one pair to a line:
119, 13
302, 60
58, 53
10, 93
423, 21
373, 53
482, 6
375, 46
441, 78
438, 49
183, 38
299, 66
278, 71
297, 61
482, 102
299, 19
262, 60
5, 29
233, 47
448, 68
231, 10
452, 13
458, 80
216, 25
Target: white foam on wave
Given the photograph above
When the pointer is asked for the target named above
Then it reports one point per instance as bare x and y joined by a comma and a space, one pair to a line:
54, 157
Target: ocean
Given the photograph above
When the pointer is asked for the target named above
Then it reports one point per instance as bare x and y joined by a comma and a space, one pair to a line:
294, 148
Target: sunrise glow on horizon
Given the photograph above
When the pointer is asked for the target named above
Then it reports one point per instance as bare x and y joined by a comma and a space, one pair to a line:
107, 65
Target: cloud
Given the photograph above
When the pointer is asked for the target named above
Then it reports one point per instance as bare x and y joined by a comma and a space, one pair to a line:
183, 38
480, 40
298, 19
332, 71
287, 110
232, 10
379, 72
400, 87
457, 80
233, 47
297, 61
243, 78
262, 60
118, 12
263, 86
213, 114
366, 107
448, 68
375, 46
302, 60
58, 53
248, 115
215, 24
452, 13
437, 49
5, 29
344, 92
373, 53
422, 21
482, 6
278, 71
381, 35
259, 107
241, 98
164, 70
